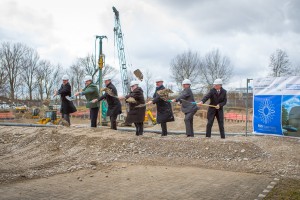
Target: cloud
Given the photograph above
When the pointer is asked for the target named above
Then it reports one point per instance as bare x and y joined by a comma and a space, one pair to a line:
156, 31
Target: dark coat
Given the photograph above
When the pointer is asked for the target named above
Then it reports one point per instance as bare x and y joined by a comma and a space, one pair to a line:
136, 115
66, 105
114, 105
216, 99
187, 95
164, 109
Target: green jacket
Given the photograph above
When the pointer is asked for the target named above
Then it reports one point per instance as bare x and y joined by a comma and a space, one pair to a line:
91, 92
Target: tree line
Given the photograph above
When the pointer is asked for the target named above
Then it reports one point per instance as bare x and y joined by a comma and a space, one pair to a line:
204, 70
24, 75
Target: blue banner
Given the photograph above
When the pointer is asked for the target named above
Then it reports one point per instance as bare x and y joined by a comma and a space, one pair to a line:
276, 106
267, 114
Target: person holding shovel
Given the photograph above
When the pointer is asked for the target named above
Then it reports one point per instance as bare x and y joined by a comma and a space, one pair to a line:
164, 108
114, 105
67, 106
218, 98
91, 92
188, 106
136, 114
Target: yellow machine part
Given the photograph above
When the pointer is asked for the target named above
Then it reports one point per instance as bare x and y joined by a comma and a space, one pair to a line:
44, 121
50, 116
47, 120
149, 115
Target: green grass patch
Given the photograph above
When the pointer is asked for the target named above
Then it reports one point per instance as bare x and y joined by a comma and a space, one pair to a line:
286, 189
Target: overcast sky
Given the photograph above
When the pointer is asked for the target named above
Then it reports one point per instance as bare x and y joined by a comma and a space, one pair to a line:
156, 31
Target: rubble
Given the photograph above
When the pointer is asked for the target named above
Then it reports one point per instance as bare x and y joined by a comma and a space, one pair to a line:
46, 151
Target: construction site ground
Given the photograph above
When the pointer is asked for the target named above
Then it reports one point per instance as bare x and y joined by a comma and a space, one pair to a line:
98, 163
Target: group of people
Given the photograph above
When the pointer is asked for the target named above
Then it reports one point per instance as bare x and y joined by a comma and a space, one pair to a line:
217, 96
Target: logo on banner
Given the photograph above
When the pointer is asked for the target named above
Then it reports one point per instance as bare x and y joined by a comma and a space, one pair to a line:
267, 114
266, 111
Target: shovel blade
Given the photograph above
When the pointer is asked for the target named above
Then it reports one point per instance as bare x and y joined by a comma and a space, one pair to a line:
70, 98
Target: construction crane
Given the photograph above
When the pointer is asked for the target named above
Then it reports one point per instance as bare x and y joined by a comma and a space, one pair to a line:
121, 52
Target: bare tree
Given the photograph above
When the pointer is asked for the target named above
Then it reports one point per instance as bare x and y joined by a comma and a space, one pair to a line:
31, 64
279, 64
185, 66
215, 66
3, 80
53, 80
12, 60
77, 75
109, 71
48, 78
89, 65
76, 78
44, 68
148, 80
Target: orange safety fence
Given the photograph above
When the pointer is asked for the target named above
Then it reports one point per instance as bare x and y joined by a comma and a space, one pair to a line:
237, 117
7, 115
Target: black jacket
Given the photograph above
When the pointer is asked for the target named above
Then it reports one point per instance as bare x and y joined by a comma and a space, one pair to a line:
66, 105
114, 105
185, 97
164, 108
136, 115
216, 98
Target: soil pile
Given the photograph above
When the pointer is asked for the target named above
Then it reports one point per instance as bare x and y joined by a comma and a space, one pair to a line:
27, 153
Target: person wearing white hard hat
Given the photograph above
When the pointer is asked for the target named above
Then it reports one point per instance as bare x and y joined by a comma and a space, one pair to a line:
188, 107
136, 114
114, 104
67, 106
164, 112
91, 92
218, 98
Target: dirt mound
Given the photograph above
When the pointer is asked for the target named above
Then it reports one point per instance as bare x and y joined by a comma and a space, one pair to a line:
41, 152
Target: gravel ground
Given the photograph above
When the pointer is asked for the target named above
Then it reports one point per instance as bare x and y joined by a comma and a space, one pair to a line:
27, 152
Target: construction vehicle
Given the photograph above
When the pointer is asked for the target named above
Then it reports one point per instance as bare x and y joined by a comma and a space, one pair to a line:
50, 117
21, 109
121, 52
122, 62
36, 113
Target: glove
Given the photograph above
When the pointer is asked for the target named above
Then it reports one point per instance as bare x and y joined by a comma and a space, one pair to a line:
169, 101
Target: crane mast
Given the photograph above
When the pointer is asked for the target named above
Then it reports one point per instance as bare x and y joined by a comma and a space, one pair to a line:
121, 52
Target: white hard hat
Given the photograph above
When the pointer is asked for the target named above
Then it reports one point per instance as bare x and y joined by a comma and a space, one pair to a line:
132, 83
65, 77
186, 81
218, 82
88, 78
107, 78
159, 79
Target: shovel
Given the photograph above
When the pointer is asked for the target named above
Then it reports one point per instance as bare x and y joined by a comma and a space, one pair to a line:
195, 103
140, 105
72, 98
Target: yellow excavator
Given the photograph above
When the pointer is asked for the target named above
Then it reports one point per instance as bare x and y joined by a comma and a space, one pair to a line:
50, 117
